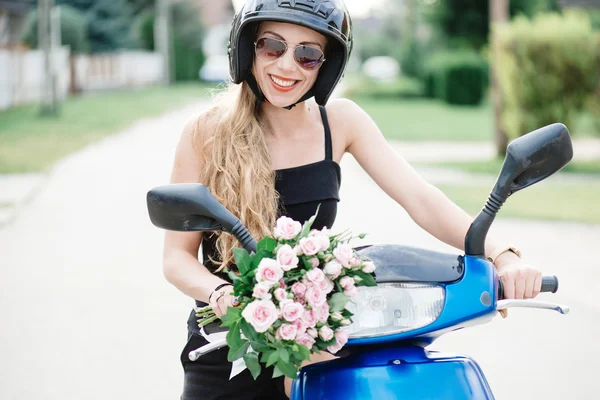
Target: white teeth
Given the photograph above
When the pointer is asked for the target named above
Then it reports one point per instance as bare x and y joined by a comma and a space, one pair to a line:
283, 83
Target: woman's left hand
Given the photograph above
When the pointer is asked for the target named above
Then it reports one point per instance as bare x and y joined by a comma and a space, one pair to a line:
520, 280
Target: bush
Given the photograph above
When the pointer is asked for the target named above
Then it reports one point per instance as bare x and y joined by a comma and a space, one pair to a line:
188, 56
457, 77
73, 29
363, 86
548, 69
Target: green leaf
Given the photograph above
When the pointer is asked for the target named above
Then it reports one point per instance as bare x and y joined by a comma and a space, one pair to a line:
308, 224
267, 244
337, 302
288, 369
242, 260
234, 354
258, 257
284, 355
233, 276
367, 279
277, 372
248, 331
260, 347
323, 344
232, 315
303, 351
252, 363
273, 358
234, 339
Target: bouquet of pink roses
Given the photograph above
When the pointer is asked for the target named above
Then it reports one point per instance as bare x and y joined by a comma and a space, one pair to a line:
293, 292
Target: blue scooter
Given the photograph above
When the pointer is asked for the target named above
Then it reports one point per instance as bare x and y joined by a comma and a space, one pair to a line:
420, 294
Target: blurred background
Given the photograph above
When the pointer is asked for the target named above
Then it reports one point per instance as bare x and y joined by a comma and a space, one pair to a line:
425, 70
94, 95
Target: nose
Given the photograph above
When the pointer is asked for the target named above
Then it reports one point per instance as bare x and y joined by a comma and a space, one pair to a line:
286, 62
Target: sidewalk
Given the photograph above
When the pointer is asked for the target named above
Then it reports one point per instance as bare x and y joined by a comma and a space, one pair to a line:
17, 189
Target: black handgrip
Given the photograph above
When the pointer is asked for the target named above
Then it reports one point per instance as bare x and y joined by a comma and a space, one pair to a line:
549, 284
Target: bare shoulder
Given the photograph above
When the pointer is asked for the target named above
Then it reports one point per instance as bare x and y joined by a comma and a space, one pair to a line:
187, 165
345, 118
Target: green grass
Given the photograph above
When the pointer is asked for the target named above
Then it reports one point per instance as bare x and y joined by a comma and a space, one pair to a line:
576, 202
493, 166
31, 143
433, 120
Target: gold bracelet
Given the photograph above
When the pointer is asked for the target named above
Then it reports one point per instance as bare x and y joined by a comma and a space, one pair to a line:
501, 250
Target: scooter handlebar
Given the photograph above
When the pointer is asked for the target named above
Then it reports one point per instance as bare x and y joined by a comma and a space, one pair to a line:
549, 284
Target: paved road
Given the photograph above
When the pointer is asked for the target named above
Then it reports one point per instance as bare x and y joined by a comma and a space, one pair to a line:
86, 314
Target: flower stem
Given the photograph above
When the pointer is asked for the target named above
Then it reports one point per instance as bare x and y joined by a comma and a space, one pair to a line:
205, 321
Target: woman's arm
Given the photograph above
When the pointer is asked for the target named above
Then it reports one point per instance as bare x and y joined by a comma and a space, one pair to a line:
180, 255
425, 204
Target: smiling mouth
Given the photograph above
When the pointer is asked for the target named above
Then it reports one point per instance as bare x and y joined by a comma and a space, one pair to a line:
283, 83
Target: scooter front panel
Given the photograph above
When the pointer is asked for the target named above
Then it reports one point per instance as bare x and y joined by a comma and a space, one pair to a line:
352, 378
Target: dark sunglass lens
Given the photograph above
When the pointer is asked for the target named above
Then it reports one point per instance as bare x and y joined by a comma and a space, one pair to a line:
270, 49
309, 57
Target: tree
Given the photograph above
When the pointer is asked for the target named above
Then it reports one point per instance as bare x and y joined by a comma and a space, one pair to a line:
466, 22
109, 23
73, 31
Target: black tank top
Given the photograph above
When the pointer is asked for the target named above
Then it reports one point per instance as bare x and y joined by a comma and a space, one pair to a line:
301, 189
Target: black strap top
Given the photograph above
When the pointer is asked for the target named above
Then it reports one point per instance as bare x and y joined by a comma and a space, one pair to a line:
301, 190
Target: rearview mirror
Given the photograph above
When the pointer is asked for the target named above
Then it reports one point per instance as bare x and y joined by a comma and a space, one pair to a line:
529, 159
190, 207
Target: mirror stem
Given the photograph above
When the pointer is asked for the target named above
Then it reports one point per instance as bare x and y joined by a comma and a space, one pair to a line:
244, 237
475, 238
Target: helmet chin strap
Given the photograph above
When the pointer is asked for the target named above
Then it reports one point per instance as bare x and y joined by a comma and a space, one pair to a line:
260, 97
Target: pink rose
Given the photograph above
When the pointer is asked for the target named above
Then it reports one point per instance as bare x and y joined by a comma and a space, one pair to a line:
343, 253
341, 337
286, 332
315, 296
346, 322
310, 245
336, 316
290, 310
261, 291
280, 294
369, 267
355, 262
326, 333
315, 275
261, 314
300, 327
298, 250
347, 282
286, 228
333, 269
322, 237
310, 318
299, 289
314, 261
323, 312
351, 291
306, 340
326, 286
312, 332
287, 258
269, 271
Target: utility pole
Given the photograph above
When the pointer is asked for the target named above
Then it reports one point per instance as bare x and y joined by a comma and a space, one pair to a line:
499, 10
162, 37
45, 33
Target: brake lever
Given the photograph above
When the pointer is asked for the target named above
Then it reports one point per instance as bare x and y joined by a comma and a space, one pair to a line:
512, 303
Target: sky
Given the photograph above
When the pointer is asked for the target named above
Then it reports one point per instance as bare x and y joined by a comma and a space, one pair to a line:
357, 8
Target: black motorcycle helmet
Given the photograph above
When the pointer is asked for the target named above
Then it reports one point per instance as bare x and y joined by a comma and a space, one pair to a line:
328, 17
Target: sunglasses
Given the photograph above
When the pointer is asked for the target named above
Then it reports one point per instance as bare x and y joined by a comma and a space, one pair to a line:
308, 57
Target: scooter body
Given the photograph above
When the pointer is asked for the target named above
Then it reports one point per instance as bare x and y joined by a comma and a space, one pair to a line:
398, 366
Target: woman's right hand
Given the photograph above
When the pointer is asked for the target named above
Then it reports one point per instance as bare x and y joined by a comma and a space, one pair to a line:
221, 299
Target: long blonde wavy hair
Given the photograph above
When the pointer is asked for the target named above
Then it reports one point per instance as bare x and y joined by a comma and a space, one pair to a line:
237, 164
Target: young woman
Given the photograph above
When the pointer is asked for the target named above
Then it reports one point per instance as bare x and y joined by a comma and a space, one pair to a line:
270, 147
